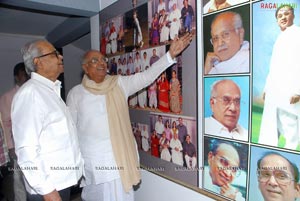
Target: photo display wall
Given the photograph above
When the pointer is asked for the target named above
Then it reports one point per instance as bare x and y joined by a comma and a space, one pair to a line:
245, 87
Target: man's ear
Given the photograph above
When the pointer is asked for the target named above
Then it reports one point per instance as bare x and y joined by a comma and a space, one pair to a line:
212, 101
297, 190
209, 157
36, 62
241, 35
84, 68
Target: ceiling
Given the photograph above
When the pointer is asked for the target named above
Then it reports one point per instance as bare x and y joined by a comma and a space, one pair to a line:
60, 22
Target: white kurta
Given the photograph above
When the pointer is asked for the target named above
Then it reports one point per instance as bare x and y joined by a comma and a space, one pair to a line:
139, 30
145, 63
165, 31
213, 127
175, 23
113, 38
239, 63
164, 154
159, 127
161, 6
90, 116
282, 83
145, 138
46, 141
177, 157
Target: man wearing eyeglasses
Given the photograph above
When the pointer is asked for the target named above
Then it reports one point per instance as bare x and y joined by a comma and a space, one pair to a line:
281, 95
278, 178
100, 111
223, 168
225, 103
45, 137
231, 52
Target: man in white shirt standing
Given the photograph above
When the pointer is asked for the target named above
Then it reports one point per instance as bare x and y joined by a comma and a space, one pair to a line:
159, 126
175, 24
108, 147
176, 147
225, 99
281, 96
46, 142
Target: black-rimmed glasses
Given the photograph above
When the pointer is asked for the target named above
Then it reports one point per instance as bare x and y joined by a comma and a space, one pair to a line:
55, 52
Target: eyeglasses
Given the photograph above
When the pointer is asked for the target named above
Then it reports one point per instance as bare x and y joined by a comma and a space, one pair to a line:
226, 165
55, 52
97, 61
225, 35
282, 177
228, 101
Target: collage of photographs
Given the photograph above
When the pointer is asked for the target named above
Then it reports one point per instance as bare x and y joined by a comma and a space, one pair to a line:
251, 99
250, 125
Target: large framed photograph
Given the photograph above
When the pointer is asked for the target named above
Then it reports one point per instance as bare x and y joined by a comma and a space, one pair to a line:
168, 146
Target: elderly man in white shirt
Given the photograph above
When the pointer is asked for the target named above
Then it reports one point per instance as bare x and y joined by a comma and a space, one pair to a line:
175, 24
176, 151
214, 5
100, 111
45, 137
231, 52
225, 101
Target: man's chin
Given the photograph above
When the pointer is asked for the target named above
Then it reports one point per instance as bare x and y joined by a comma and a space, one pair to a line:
222, 182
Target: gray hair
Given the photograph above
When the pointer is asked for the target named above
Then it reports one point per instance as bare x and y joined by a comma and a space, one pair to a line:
29, 52
236, 19
213, 89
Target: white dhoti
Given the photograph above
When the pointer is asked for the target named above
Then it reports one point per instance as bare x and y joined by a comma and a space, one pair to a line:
109, 191
177, 157
165, 154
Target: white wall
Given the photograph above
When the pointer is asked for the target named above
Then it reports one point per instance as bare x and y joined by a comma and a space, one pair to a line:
72, 67
156, 188
10, 55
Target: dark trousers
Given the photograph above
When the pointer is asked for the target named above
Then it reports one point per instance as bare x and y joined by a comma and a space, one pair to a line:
64, 194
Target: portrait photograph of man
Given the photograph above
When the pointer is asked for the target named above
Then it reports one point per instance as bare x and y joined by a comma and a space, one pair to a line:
276, 85
215, 5
226, 42
225, 168
274, 175
226, 107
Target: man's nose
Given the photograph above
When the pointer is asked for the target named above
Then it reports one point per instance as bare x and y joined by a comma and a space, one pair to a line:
220, 41
272, 181
232, 106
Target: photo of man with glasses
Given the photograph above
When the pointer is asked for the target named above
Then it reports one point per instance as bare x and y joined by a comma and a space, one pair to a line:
274, 174
225, 165
225, 102
230, 51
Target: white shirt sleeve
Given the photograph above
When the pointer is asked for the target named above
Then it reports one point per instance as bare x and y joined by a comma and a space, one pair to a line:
27, 119
138, 81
